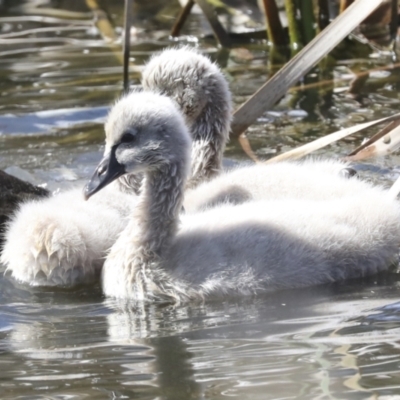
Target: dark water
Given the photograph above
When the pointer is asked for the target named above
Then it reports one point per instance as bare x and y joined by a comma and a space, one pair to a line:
58, 76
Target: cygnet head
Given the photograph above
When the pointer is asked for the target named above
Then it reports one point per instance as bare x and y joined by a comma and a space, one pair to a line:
144, 131
197, 85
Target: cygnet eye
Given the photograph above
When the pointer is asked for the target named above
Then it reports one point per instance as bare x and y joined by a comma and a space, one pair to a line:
128, 137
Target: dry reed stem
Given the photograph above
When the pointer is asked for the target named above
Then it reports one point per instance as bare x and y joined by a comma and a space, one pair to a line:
216, 26
127, 43
384, 131
246, 146
344, 4
107, 31
278, 85
180, 21
387, 144
64, 14
102, 22
317, 144
276, 34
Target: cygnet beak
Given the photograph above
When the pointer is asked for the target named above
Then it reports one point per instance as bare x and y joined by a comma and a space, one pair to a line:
107, 171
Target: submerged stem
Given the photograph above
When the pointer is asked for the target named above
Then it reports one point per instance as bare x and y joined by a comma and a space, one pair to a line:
294, 34
307, 20
276, 34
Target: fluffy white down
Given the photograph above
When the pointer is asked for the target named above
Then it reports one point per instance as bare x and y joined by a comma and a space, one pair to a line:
281, 242
311, 179
71, 236
270, 244
63, 240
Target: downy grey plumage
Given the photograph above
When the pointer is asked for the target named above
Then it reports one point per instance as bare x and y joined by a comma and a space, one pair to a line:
243, 249
63, 240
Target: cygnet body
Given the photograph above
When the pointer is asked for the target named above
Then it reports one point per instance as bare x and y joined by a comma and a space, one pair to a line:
57, 241
245, 249
63, 240
310, 179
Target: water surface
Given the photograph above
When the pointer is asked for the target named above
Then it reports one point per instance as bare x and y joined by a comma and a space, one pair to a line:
58, 76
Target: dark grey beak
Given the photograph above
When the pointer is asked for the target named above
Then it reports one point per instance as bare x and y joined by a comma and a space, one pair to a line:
107, 171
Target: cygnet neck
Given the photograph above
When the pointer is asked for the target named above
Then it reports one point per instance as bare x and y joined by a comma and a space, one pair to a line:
159, 206
209, 133
154, 224
130, 183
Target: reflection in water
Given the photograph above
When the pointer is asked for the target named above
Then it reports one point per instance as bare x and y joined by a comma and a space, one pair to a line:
336, 341
293, 344
57, 79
